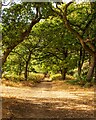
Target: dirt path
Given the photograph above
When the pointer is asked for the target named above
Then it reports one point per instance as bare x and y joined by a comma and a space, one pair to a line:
44, 100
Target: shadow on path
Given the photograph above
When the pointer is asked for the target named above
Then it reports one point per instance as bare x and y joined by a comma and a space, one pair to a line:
43, 108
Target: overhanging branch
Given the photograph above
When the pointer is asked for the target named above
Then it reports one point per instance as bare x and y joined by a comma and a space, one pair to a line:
22, 37
68, 26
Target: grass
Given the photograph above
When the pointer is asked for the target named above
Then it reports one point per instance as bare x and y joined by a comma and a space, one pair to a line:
15, 80
35, 77
59, 77
66, 85
81, 83
73, 81
56, 77
13, 77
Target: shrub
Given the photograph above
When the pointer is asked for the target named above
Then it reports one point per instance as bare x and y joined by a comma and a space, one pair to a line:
69, 77
59, 77
81, 81
56, 77
13, 77
71, 72
36, 78
73, 82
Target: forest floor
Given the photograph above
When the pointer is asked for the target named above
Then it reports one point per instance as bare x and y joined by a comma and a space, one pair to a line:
55, 99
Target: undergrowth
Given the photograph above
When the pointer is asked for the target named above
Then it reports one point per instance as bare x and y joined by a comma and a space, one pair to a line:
34, 77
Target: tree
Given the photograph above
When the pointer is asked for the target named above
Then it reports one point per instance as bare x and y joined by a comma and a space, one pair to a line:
56, 46
31, 46
79, 26
18, 21
25, 52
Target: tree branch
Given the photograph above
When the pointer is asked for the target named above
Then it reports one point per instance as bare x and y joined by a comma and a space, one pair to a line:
68, 26
50, 53
22, 37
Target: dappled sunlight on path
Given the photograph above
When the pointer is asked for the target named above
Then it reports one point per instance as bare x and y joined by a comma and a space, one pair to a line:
44, 97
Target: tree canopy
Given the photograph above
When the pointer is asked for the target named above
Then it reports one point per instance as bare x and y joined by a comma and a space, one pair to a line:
58, 37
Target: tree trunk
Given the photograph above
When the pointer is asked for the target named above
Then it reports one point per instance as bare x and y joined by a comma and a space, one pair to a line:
63, 73
20, 70
91, 68
26, 67
6, 53
95, 74
79, 69
81, 61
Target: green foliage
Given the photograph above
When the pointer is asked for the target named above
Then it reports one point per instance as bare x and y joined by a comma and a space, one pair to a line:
59, 77
15, 20
13, 77
70, 77
56, 43
52, 47
73, 82
35, 77
14, 65
81, 82
56, 77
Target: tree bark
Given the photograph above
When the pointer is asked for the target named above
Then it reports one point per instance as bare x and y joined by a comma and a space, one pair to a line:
20, 70
26, 67
5, 55
91, 68
63, 73
95, 73
81, 61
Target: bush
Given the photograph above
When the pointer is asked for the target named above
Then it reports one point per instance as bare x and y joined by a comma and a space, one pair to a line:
73, 82
81, 81
59, 77
36, 78
71, 72
70, 77
56, 77
13, 77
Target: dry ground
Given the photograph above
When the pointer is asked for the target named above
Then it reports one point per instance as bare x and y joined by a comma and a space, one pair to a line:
46, 100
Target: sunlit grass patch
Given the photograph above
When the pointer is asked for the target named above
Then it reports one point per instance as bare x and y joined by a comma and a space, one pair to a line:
56, 77
13, 77
59, 77
16, 80
17, 83
8, 82
81, 83
69, 85
35, 77
69, 77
